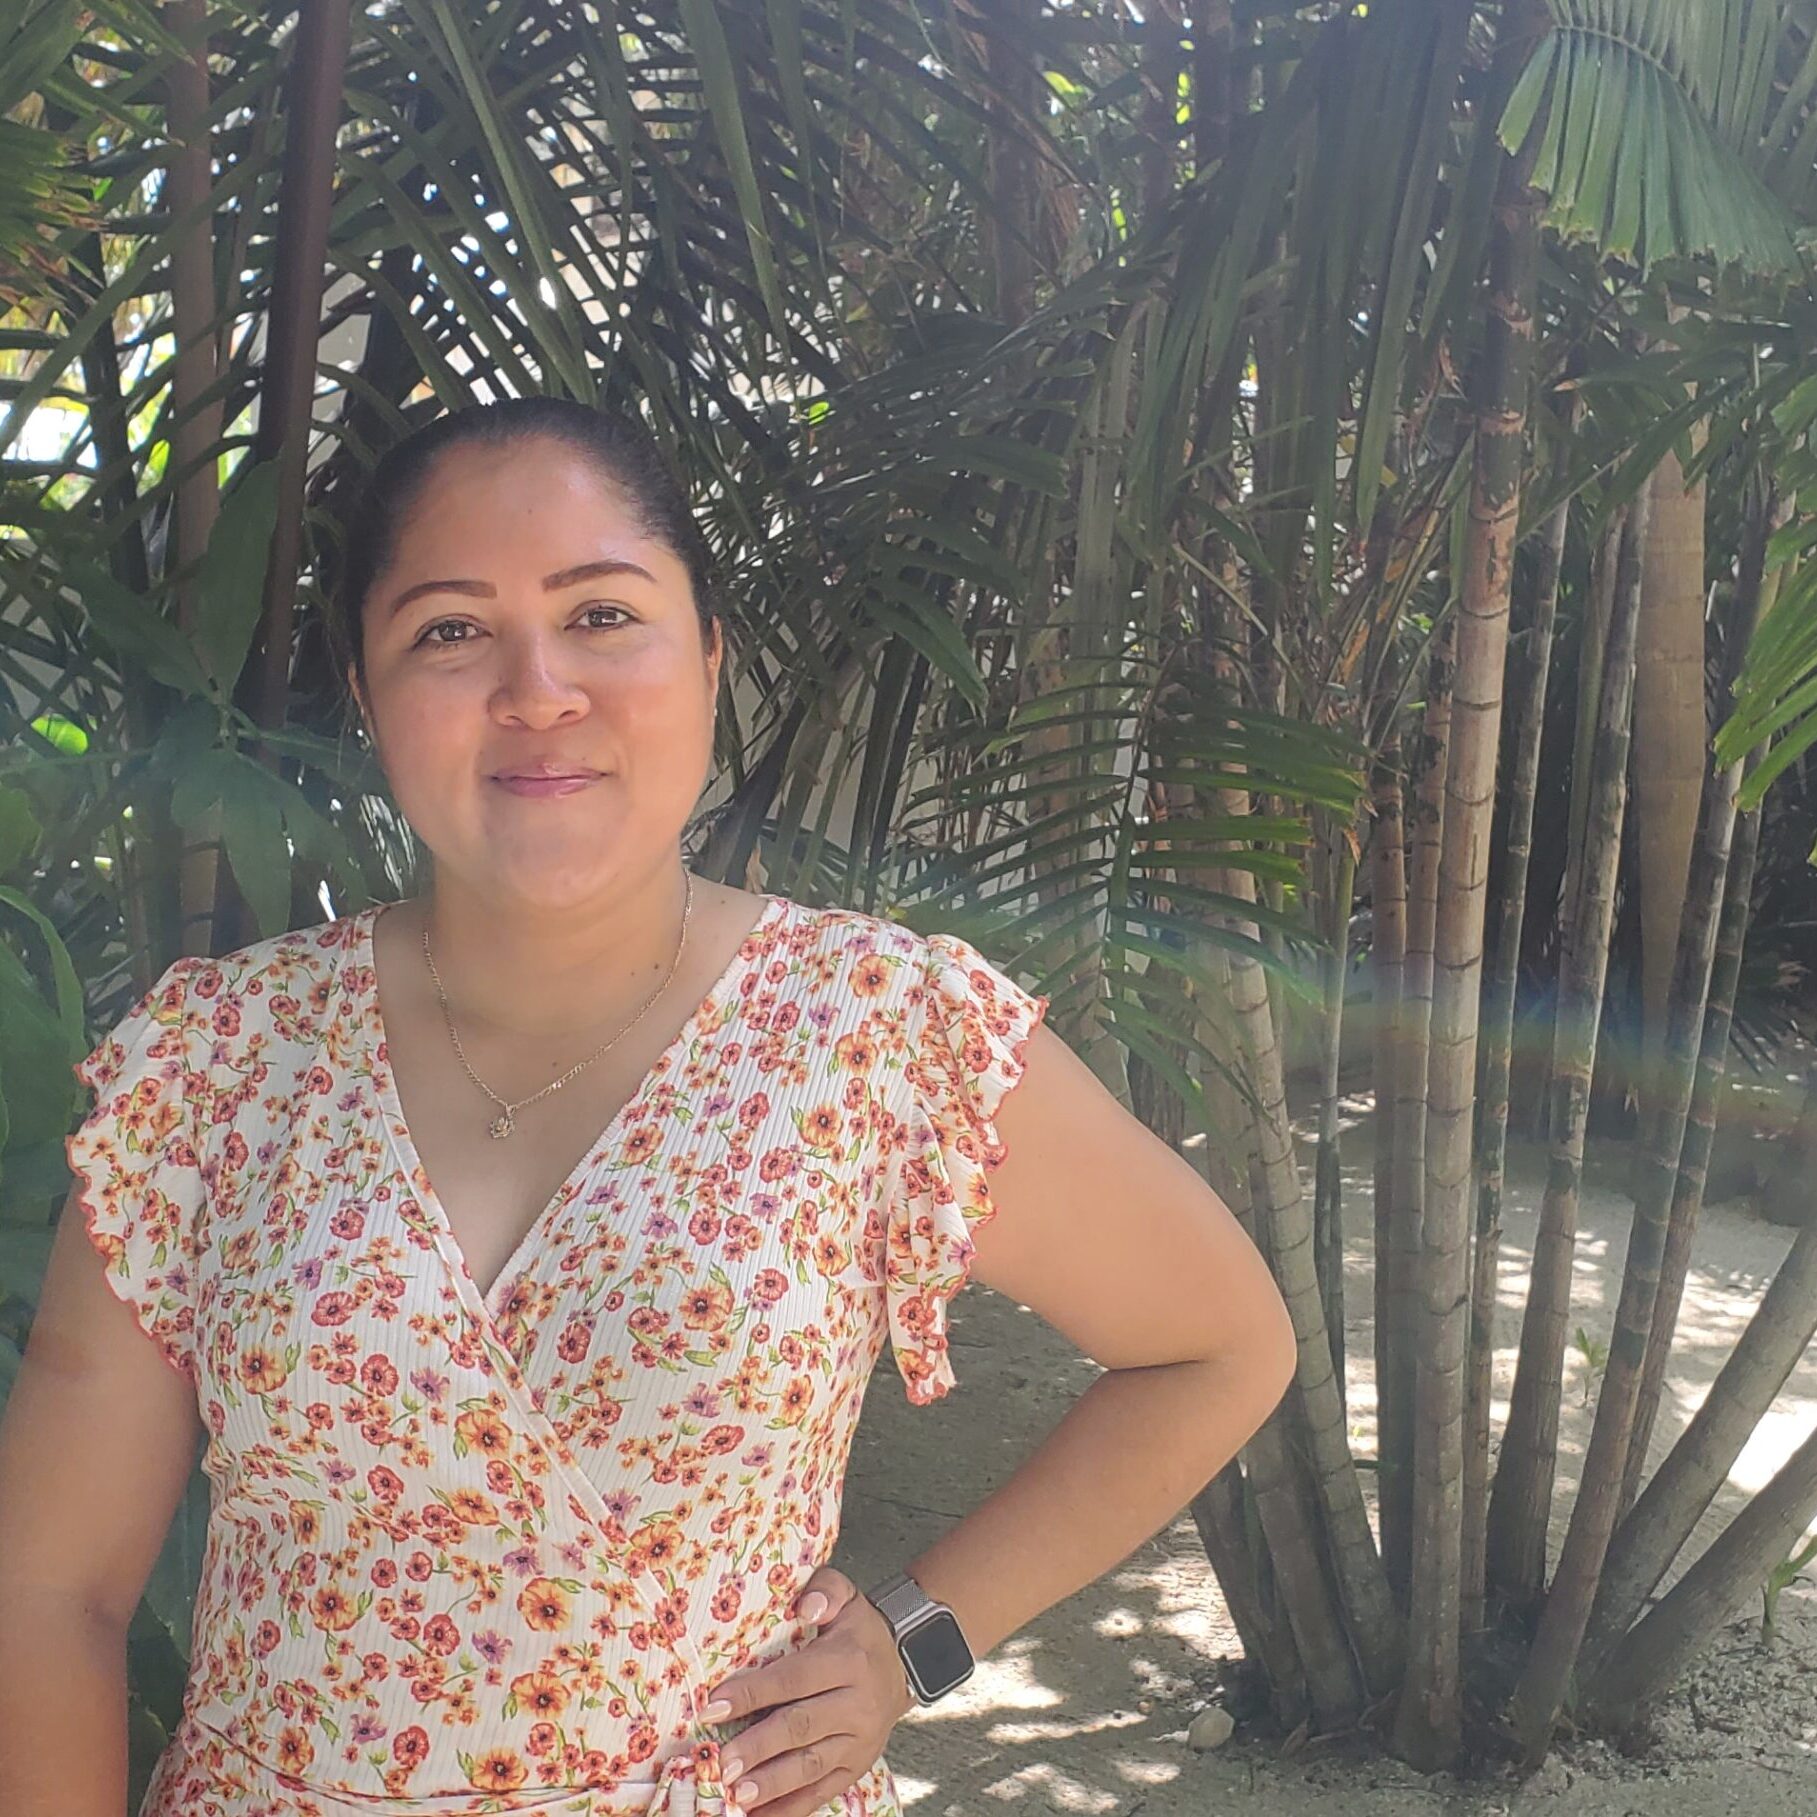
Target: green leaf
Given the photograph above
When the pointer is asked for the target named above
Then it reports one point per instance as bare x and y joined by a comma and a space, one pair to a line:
230, 578
137, 631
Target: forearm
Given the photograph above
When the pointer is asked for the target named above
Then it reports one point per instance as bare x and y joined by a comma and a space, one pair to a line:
62, 1710
1130, 1453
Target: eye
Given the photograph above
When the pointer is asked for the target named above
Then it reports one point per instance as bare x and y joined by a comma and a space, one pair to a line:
429, 633
589, 611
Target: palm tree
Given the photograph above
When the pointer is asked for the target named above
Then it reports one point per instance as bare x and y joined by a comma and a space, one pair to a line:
1121, 486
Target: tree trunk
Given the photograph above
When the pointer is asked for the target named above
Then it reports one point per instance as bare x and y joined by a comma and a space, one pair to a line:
1498, 1037
318, 60
1227, 1515
1337, 868
1289, 1519
1713, 1591
1428, 1717
1285, 1219
1520, 1505
1695, 1469
1693, 1161
1670, 736
1549, 1667
1752, 598
1394, 1391
1387, 960
195, 431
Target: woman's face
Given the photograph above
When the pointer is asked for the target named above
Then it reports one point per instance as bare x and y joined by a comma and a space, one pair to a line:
537, 686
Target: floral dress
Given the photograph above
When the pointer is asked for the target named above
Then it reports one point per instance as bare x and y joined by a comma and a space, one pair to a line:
473, 1553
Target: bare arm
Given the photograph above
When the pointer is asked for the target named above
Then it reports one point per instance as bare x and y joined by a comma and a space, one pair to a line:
95, 1450
1118, 1244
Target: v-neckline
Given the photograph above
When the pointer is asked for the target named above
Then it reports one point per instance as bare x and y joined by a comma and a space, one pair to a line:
484, 1302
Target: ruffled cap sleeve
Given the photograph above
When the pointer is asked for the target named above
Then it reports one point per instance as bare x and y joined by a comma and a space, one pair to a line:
970, 1026
137, 1163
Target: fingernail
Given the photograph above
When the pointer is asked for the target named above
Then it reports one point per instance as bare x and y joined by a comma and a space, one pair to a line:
731, 1767
813, 1607
746, 1791
717, 1711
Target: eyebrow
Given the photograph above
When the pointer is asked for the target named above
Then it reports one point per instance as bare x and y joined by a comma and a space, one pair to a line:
552, 583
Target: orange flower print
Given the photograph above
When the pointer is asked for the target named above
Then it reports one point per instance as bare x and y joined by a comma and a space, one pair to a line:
657, 1546
469, 1527
475, 1509
262, 1370
499, 1770
820, 1128
870, 975
796, 1399
707, 1307
480, 1429
540, 1693
543, 1603
295, 1751
333, 1609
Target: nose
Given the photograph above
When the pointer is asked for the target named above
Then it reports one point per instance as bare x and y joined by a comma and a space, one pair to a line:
534, 689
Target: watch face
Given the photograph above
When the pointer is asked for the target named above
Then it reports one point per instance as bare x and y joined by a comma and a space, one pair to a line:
937, 1653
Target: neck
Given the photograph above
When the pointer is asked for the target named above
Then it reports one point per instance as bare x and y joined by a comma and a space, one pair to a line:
533, 970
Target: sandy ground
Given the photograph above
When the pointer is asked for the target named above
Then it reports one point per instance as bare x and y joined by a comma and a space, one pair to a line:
1086, 1709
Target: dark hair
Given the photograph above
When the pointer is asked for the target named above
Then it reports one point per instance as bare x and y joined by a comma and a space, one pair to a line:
621, 448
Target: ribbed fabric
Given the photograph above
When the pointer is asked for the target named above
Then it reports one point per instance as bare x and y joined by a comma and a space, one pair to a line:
489, 1553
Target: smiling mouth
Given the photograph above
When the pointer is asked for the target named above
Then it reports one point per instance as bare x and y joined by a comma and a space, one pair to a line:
565, 783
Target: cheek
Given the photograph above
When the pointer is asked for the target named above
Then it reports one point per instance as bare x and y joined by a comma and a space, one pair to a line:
661, 692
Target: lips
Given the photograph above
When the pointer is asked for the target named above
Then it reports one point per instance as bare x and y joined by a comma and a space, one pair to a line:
545, 772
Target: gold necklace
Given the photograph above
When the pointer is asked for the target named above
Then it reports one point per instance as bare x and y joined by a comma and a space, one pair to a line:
503, 1124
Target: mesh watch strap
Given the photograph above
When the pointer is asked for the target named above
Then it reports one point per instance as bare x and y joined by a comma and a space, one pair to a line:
900, 1599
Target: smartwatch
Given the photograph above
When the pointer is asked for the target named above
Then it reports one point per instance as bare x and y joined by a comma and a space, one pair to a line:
934, 1651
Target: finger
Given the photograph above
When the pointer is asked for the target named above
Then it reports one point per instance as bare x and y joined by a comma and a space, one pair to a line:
755, 1784
809, 1726
810, 1799
824, 1595
807, 1671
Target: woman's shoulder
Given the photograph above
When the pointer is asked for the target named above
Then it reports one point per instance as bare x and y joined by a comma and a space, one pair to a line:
880, 956
282, 985
808, 927
280, 961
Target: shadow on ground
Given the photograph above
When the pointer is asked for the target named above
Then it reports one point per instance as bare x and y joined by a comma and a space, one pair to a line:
1086, 1709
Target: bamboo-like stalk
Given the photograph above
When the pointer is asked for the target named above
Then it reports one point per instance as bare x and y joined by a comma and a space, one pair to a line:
1428, 1718
195, 414
1226, 1514
1697, 1466
1713, 1591
1499, 1000
314, 102
1288, 1518
1520, 1503
1387, 961
1753, 597
1337, 877
1670, 735
1394, 1390
1541, 1690
1699, 1137
1371, 1618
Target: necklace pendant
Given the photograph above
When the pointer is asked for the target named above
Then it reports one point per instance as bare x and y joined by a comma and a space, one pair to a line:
500, 1127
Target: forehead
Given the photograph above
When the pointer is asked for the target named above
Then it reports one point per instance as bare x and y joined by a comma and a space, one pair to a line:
534, 484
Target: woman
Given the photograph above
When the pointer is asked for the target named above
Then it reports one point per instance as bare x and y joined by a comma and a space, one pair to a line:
521, 1509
